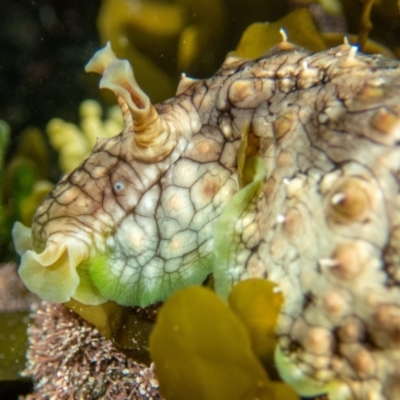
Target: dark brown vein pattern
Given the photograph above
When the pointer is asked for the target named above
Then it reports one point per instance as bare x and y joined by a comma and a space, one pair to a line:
325, 227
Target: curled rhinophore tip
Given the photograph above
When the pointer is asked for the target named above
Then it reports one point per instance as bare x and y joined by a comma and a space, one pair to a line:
118, 76
152, 139
101, 59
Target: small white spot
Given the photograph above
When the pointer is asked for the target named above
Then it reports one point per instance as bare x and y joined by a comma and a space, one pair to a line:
304, 65
277, 290
353, 51
280, 219
338, 198
377, 82
226, 129
328, 262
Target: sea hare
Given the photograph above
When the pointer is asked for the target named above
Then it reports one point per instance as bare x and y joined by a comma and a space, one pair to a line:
320, 218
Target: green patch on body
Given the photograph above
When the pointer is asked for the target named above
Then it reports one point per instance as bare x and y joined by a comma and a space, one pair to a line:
87, 292
132, 286
227, 237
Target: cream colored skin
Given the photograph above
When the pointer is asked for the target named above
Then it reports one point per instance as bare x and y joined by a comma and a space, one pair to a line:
147, 198
324, 228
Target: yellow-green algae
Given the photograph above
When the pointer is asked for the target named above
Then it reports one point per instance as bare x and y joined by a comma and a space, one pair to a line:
29, 164
257, 303
114, 21
259, 37
75, 143
202, 348
20, 194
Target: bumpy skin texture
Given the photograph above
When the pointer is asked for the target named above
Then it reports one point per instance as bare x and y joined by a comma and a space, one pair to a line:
324, 227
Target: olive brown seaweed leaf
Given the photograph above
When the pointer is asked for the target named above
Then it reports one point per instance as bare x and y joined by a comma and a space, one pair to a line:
205, 350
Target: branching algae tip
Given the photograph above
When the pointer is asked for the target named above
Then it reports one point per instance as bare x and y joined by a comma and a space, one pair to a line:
286, 167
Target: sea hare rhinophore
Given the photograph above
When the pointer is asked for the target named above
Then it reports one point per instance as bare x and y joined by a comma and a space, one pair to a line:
312, 204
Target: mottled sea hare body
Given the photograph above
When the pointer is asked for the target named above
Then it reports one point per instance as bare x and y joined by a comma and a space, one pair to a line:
136, 220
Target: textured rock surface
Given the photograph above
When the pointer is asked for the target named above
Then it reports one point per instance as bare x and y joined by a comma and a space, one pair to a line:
325, 227
69, 359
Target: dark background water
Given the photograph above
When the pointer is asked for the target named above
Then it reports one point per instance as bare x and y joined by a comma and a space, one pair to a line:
44, 45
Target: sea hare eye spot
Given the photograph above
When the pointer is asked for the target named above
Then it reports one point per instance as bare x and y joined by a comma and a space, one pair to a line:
118, 186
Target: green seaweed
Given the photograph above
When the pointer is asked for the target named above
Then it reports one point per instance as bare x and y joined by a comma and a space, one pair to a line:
29, 165
202, 349
257, 303
299, 26
378, 20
